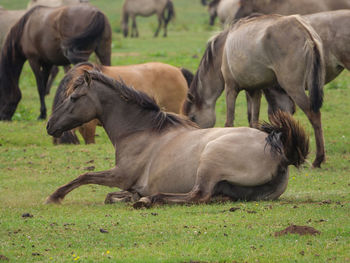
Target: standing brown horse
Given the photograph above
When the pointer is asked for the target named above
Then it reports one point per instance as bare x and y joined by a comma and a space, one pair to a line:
253, 55
135, 8
168, 85
50, 36
164, 158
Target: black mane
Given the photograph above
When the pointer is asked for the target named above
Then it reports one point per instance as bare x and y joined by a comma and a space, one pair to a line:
161, 120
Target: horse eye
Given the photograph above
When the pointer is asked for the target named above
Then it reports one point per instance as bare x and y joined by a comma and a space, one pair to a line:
73, 98
193, 118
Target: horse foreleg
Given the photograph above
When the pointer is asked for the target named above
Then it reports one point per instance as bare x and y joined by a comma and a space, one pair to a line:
160, 20
41, 72
121, 196
113, 178
134, 28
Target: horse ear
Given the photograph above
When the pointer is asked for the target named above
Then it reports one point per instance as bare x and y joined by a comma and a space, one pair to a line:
87, 77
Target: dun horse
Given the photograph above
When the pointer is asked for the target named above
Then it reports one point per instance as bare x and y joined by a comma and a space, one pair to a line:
223, 9
254, 55
164, 158
50, 36
168, 86
135, 8
54, 3
289, 7
333, 29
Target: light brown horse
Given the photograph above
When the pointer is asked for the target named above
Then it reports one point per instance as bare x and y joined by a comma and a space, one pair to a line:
289, 7
54, 3
135, 8
164, 158
50, 36
168, 85
333, 29
254, 55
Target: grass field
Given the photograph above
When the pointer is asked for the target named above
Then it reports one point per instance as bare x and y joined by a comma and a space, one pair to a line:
31, 168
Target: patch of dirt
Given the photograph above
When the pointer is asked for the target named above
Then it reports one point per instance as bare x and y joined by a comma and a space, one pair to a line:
300, 230
4, 258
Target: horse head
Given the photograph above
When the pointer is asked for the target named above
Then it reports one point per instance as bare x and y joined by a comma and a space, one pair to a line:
79, 107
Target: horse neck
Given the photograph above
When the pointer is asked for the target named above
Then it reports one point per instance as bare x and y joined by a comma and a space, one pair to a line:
121, 119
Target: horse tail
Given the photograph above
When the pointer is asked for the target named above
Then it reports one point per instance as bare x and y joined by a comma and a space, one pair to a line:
286, 137
75, 45
11, 63
315, 75
188, 75
171, 11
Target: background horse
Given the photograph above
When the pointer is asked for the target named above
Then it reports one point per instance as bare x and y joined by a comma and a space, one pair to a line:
224, 9
50, 36
54, 3
333, 29
165, 159
168, 85
289, 7
135, 8
260, 63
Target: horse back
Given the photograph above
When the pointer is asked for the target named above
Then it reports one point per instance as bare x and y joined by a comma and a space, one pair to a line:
165, 83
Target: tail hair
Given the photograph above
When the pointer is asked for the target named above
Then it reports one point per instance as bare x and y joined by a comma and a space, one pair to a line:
315, 77
171, 11
286, 137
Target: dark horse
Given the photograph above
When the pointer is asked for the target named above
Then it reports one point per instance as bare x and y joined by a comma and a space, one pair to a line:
163, 157
50, 36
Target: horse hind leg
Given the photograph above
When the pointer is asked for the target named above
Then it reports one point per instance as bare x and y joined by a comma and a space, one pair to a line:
160, 20
134, 30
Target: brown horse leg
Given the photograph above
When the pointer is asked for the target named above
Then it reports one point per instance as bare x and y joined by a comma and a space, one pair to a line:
87, 130
160, 20
41, 72
53, 74
113, 178
121, 196
255, 97
315, 119
231, 96
134, 28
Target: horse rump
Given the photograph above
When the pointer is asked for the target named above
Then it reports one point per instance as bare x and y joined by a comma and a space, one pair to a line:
286, 136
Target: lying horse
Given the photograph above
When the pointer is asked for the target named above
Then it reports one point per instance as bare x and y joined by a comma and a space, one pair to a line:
168, 85
253, 55
50, 36
165, 158
333, 29
135, 8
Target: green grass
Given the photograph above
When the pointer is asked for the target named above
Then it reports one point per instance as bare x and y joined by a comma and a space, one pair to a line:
31, 168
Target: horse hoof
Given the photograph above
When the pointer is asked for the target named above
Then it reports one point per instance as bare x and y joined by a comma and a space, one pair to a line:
144, 202
52, 200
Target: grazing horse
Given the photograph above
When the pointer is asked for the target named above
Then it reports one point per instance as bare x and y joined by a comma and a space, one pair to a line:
50, 36
54, 3
253, 55
163, 158
333, 29
135, 8
288, 7
168, 85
